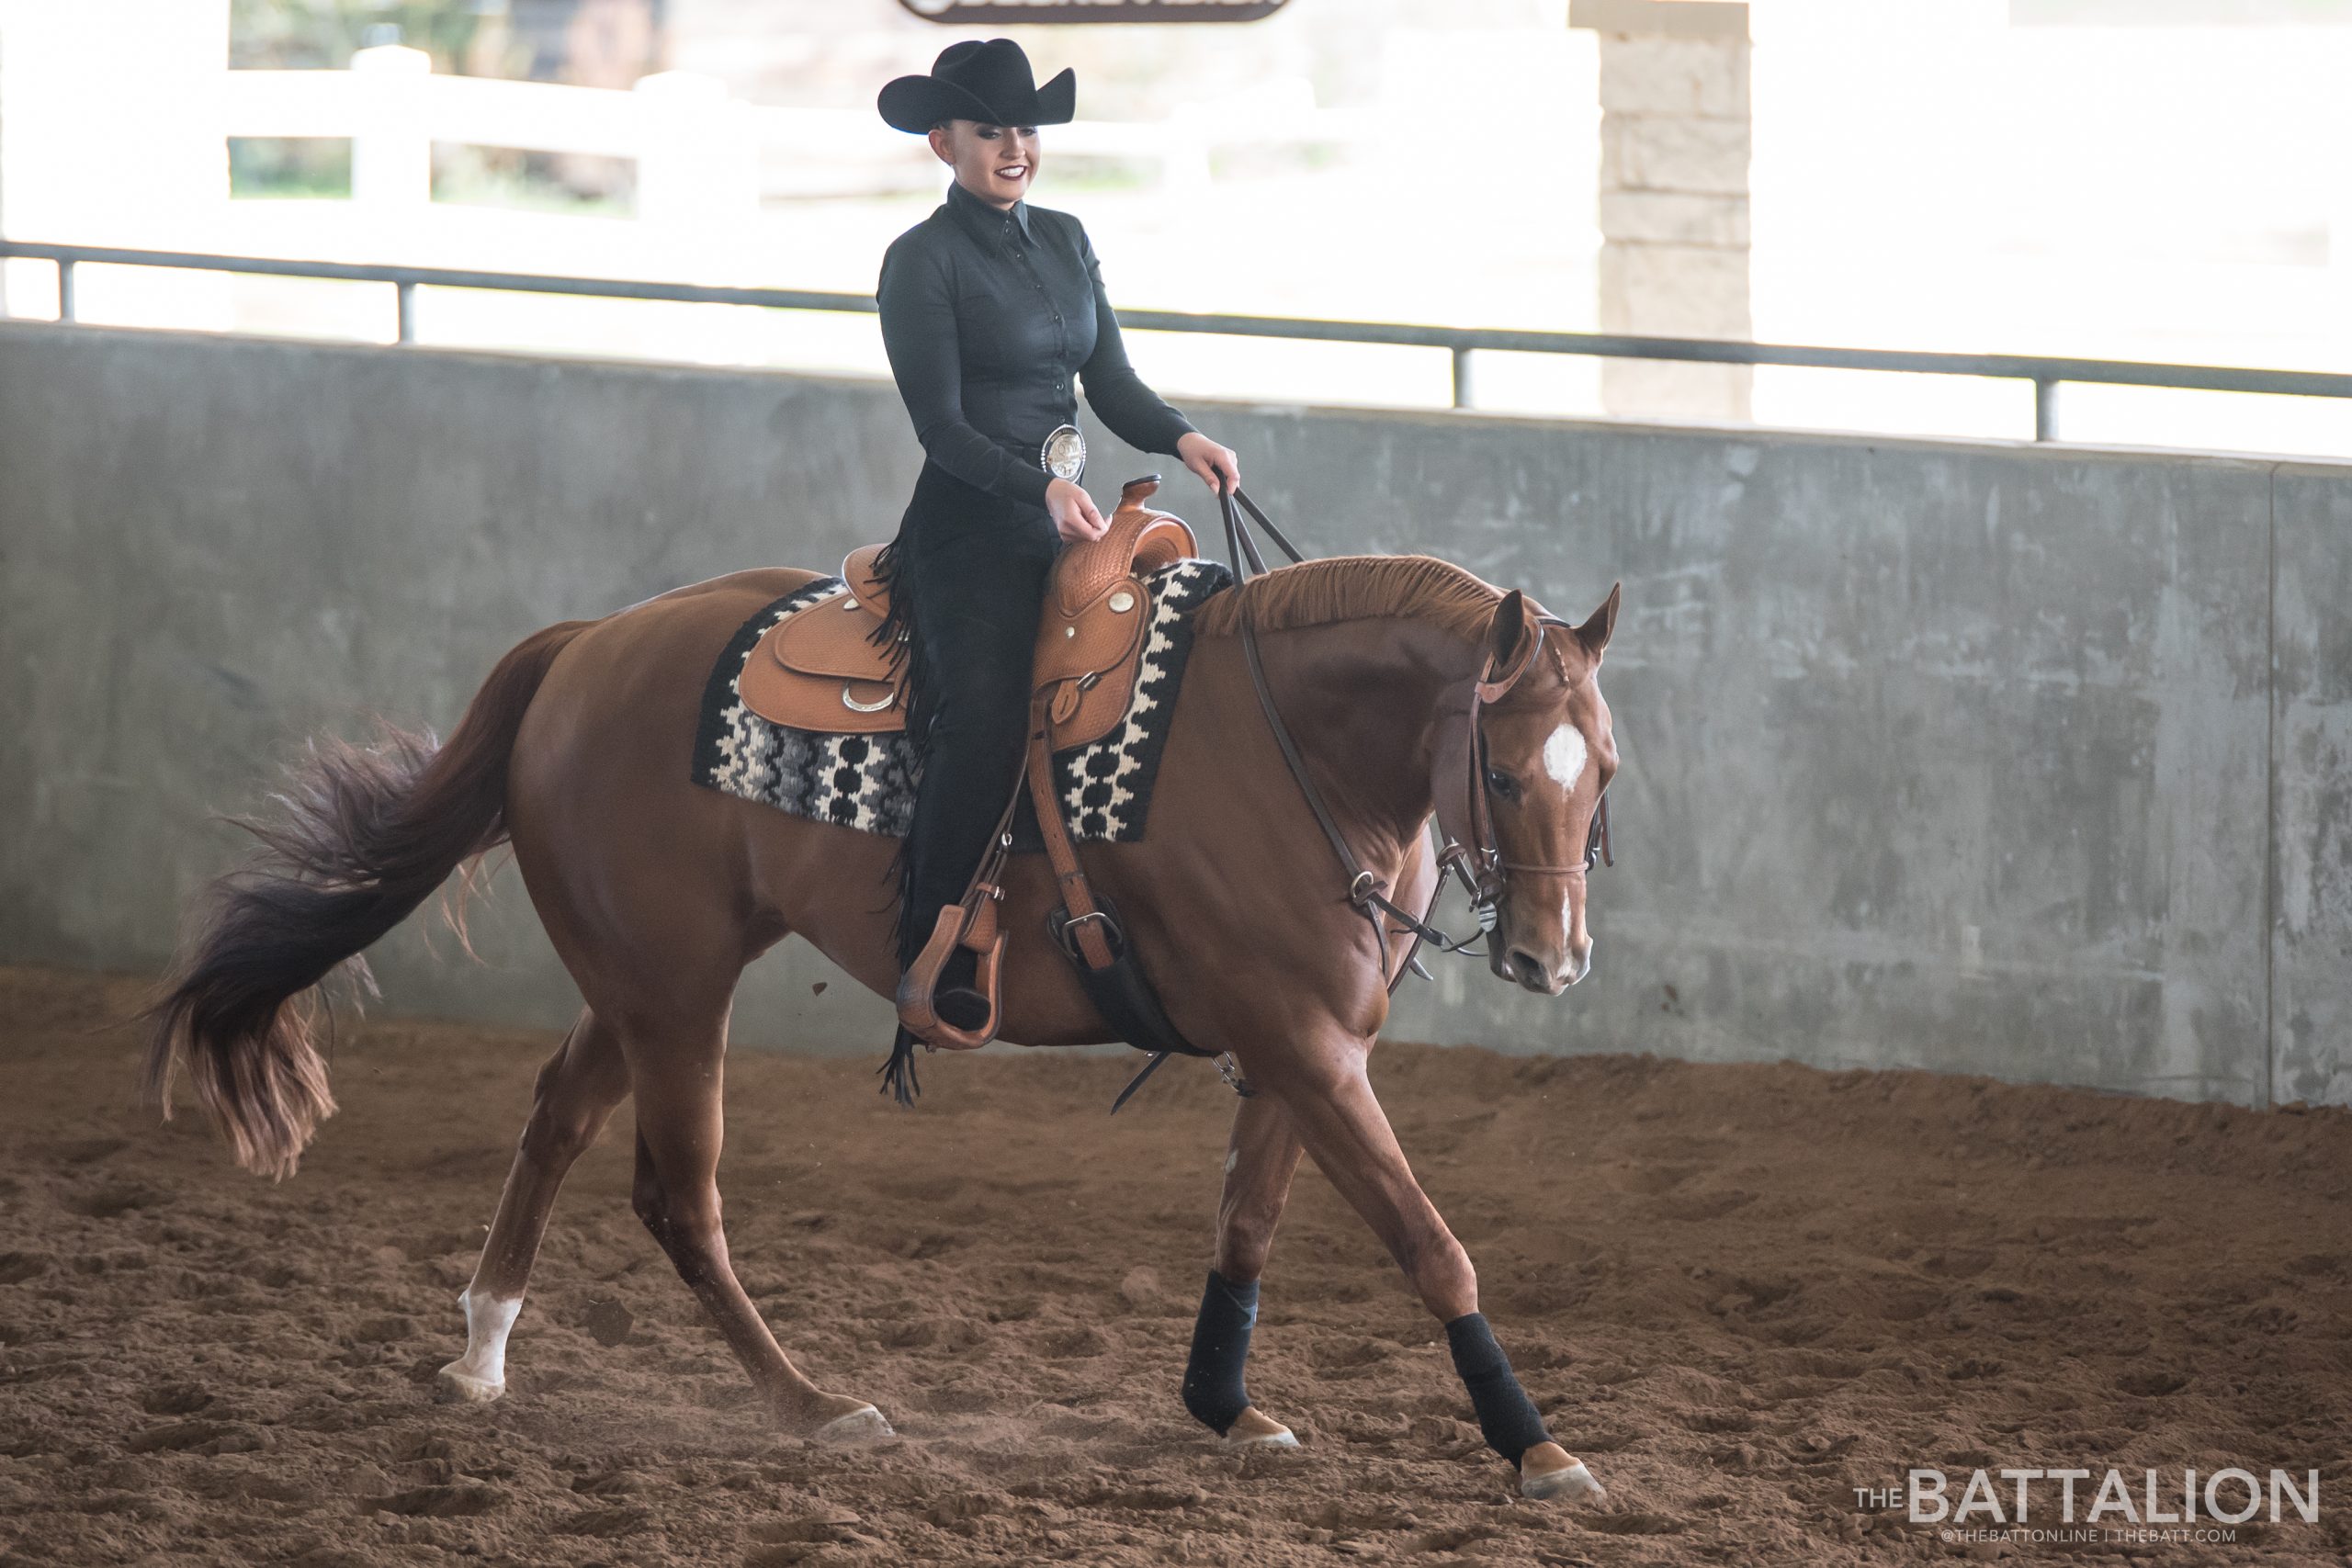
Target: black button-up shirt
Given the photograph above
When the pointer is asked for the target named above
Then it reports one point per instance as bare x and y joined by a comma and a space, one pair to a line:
986, 315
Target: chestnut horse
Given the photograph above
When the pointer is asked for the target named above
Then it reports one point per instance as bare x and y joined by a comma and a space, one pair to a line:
656, 892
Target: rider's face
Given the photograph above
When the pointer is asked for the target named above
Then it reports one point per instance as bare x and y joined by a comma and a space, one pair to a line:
995, 163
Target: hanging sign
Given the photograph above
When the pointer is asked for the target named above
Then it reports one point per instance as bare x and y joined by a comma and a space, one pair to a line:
991, 12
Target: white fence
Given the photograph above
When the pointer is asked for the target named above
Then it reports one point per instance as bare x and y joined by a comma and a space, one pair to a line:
701, 155
145, 165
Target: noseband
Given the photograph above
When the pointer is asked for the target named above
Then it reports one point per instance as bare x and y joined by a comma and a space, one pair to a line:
1464, 814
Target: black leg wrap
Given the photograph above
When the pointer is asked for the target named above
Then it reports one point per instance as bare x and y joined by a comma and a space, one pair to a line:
1505, 1415
1213, 1389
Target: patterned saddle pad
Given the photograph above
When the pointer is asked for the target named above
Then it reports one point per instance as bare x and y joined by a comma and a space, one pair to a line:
867, 782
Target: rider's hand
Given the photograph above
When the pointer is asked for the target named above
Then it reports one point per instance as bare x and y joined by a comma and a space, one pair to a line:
1074, 518
1214, 464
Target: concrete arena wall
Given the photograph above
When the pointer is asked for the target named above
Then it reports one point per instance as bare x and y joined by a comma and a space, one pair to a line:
1985, 758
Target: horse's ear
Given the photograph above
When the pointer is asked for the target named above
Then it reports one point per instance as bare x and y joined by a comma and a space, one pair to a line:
1504, 631
1594, 633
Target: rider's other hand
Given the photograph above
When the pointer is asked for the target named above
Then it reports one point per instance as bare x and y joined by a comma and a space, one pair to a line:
1215, 465
1075, 517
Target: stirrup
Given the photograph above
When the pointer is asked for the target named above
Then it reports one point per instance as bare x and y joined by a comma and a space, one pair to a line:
972, 924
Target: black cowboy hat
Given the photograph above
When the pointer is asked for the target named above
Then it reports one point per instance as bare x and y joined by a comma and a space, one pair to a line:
971, 80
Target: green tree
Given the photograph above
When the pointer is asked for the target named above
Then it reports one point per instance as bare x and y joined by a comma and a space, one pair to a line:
323, 34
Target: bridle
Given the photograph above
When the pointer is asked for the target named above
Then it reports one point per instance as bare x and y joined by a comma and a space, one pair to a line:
1463, 818
1480, 867
1467, 846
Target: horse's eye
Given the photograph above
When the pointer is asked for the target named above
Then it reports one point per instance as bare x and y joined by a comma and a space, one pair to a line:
1501, 783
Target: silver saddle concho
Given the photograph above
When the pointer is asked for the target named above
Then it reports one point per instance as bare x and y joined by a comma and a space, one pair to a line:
1064, 453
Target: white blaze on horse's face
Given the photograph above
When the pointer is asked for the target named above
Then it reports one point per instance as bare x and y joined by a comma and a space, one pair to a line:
1564, 755
1540, 757
1546, 947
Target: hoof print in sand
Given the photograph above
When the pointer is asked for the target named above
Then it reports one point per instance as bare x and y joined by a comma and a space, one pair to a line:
456, 1500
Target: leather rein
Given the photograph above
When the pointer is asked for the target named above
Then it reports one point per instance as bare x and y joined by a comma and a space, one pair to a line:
1468, 844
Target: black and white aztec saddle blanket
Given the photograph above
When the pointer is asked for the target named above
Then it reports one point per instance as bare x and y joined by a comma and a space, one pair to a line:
867, 782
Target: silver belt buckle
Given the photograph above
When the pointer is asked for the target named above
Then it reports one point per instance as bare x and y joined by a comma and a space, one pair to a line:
1064, 454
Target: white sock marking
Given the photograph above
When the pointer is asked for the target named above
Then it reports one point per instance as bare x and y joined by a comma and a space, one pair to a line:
488, 1322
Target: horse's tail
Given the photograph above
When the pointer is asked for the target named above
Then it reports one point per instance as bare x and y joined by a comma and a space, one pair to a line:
363, 837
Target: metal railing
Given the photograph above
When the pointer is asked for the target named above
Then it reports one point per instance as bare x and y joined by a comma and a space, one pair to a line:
2045, 373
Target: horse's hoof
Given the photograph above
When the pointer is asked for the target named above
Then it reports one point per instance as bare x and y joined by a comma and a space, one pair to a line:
863, 1424
1253, 1429
453, 1385
1545, 1474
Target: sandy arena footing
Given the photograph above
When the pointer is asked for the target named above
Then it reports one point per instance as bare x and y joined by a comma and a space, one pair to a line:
1740, 1292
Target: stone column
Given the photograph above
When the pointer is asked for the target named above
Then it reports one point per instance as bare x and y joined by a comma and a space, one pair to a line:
1674, 154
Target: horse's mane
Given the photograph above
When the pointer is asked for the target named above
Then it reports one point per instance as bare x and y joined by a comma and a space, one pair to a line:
1355, 588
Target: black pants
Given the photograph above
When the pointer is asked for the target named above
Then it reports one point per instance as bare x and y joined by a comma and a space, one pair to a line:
970, 574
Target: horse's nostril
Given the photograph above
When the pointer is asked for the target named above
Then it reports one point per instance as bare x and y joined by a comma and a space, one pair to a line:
1525, 969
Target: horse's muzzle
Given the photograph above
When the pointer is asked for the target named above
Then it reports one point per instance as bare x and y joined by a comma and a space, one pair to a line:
1531, 974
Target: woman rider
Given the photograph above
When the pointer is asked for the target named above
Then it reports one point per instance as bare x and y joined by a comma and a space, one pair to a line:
989, 308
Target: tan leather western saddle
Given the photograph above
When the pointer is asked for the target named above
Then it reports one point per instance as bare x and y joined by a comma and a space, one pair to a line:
820, 670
